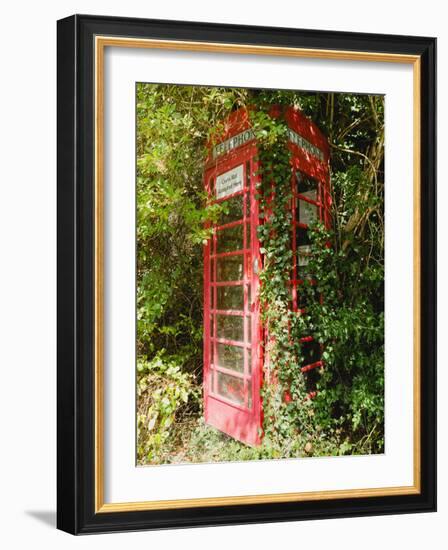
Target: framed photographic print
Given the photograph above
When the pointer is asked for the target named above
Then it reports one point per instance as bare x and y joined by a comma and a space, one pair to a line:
246, 274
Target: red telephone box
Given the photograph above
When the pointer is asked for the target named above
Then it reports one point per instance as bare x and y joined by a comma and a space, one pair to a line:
233, 335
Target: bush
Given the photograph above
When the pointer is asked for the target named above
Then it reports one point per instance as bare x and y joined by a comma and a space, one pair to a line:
164, 392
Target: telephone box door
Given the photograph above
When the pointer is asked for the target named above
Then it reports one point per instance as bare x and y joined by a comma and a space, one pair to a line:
232, 355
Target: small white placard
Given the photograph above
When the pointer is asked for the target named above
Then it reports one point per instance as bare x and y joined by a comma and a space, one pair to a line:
230, 182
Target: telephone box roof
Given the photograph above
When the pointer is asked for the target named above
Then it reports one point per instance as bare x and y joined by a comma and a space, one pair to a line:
237, 132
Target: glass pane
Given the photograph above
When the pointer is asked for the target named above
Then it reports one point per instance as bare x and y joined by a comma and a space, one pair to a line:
311, 194
247, 206
305, 183
229, 239
230, 297
231, 357
230, 387
248, 235
230, 327
211, 326
302, 300
303, 254
249, 328
249, 362
212, 380
232, 210
302, 237
306, 212
230, 268
310, 353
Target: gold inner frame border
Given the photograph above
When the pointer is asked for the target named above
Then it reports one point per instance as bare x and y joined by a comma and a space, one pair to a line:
101, 42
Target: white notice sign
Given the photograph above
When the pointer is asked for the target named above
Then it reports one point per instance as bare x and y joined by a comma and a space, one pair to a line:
229, 182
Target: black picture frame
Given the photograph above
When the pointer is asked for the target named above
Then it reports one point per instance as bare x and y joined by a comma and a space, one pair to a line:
76, 511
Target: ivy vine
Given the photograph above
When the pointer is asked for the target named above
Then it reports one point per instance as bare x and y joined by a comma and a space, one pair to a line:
286, 407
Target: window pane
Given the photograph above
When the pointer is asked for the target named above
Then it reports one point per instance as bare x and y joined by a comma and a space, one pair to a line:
247, 206
230, 239
230, 297
230, 268
305, 183
302, 299
302, 237
231, 357
232, 210
306, 212
249, 328
212, 354
311, 194
310, 352
303, 255
230, 387
212, 296
230, 327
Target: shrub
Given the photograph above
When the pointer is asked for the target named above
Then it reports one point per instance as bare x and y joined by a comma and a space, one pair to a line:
164, 393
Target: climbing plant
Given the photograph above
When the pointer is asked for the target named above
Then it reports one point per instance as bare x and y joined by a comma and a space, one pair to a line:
288, 411
344, 295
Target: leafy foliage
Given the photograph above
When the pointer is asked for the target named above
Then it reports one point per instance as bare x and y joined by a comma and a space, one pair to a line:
344, 312
163, 391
